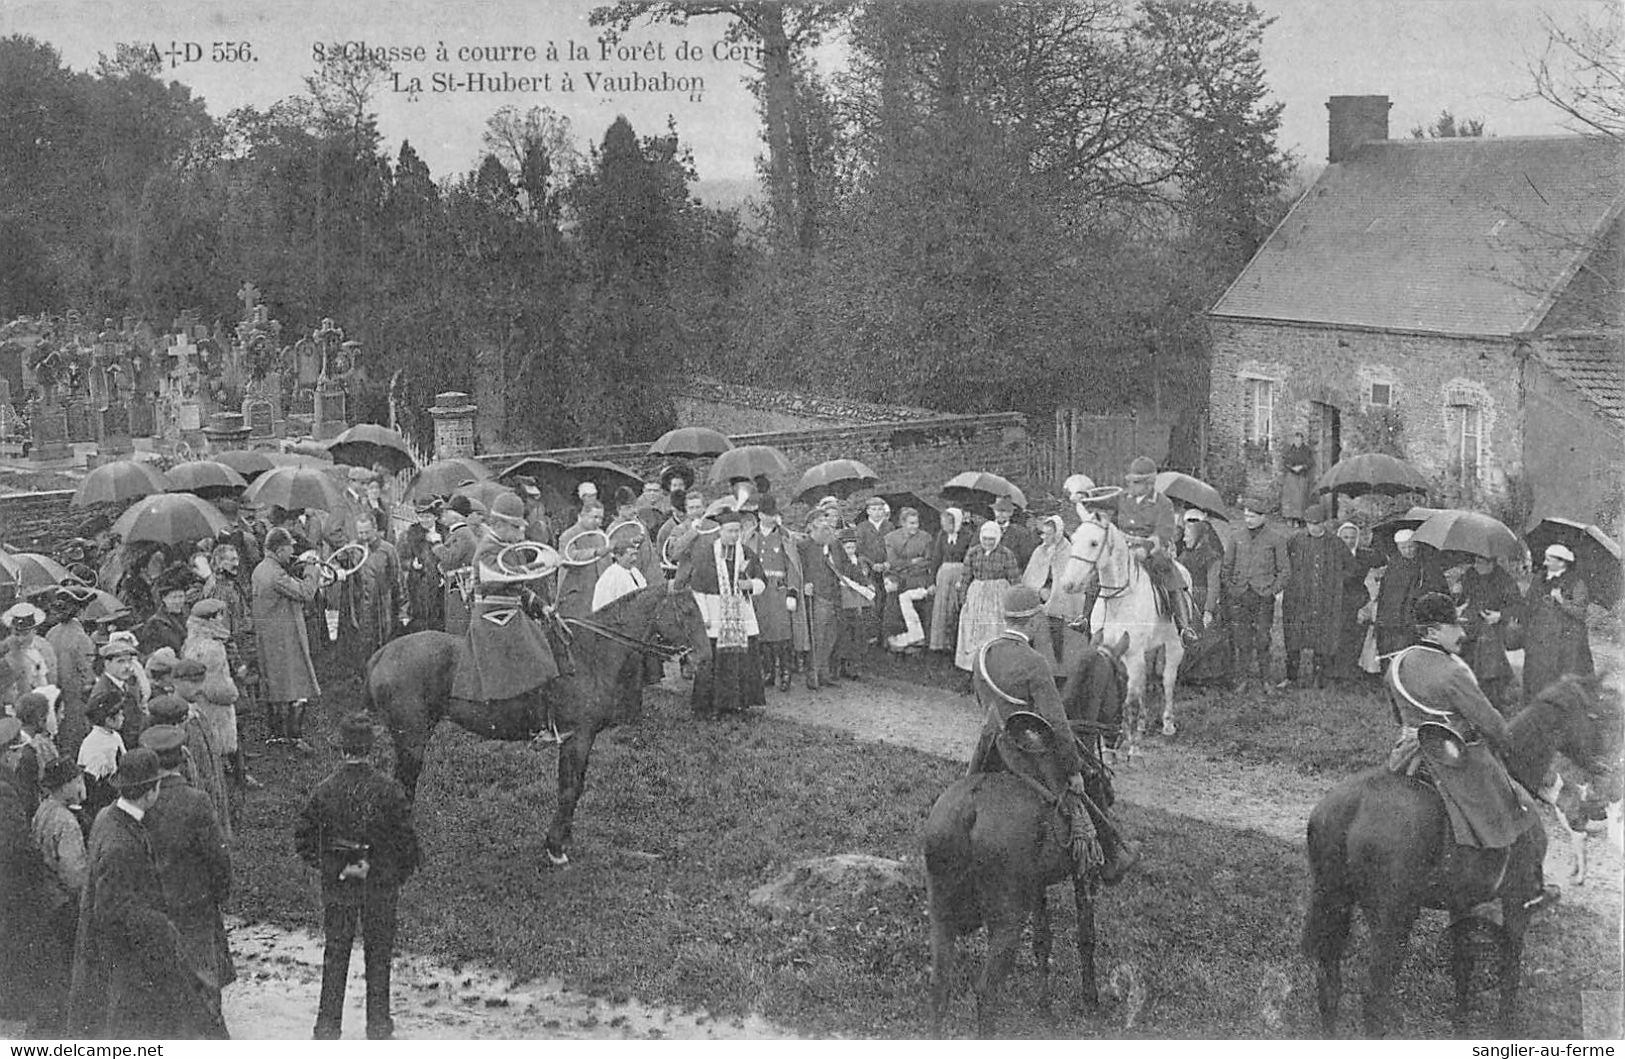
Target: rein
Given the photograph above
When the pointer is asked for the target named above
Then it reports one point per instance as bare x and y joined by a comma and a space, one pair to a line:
647, 647
1104, 590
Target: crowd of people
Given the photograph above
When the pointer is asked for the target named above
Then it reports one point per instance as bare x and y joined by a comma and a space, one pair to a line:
126, 749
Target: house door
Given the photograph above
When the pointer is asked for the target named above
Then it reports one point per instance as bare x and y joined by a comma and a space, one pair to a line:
1327, 427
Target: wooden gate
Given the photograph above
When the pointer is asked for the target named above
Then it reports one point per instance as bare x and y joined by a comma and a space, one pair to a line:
1101, 446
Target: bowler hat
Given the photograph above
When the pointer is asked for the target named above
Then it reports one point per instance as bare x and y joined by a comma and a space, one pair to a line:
168, 709
355, 734
116, 649
1435, 608
727, 516
1257, 505
1314, 513
1021, 601
849, 535
163, 738
768, 504
58, 773
626, 534
676, 470
138, 768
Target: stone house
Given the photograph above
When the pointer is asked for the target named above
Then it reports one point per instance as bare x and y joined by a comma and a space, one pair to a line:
1455, 300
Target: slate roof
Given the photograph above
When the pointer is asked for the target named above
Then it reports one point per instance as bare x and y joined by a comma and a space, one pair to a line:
1458, 237
1592, 362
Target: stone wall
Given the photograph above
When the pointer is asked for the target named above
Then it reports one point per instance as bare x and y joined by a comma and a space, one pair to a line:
38, 521
915, 455
1336, 366
1571, 454
737, 409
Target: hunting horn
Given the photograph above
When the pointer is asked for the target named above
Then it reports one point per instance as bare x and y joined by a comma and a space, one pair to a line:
526, 559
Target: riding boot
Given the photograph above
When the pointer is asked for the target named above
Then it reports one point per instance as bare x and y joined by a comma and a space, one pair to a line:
781, 654
1118, 854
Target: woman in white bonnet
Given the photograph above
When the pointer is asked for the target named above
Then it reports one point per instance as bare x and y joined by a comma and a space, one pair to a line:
953, 540
1556, 641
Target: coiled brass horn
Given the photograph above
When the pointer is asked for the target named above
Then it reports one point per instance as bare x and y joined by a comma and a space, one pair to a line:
523, 560
349, 558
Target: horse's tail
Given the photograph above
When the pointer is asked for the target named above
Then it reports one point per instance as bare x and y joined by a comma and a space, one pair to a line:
1325, 926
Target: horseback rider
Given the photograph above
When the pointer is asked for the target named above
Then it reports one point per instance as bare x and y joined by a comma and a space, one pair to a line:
1096, 505
1012, 677
1451, 736
507, 649
1149, 520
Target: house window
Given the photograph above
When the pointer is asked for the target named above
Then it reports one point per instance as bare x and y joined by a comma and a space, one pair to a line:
1466, 441
1380, 395
1258, 413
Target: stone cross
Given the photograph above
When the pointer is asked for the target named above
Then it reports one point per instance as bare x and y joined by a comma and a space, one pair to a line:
249, 295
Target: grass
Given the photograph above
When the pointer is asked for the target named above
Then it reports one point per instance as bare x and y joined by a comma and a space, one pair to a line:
681, 820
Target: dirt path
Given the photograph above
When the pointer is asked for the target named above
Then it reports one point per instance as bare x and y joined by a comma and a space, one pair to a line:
1170, 776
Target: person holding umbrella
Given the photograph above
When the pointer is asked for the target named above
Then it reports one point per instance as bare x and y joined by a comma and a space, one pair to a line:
1556, 641
1408, 578
1489, 601
1356, 599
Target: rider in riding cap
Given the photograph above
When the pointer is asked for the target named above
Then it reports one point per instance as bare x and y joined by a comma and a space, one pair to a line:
508, 653
1434, 694
1012, 677
1148, 518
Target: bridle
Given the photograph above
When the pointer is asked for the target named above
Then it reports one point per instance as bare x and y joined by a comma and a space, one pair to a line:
1106, 591
652, 648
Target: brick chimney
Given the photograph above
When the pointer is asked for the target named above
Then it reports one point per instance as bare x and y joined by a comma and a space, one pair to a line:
1355, 120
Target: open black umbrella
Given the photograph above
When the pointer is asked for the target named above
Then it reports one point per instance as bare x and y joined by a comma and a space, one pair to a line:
979, 489
296, 488
173, 518
1382, 534
837, 478
691, 442
206, 478
607, 477
1470, 532
1372, 472
245, 462
485, 492
444, 477
930, 513
1192, 492
367, 444
749, 461
119, 481
1596, 555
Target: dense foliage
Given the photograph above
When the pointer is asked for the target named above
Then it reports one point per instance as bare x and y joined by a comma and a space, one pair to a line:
990, 206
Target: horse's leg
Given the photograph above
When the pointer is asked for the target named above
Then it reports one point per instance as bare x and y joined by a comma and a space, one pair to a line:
1514, 922
1325, 936
1134, 702
1003, 937
1390, 931
1084, 899
573, 754
1173, 655
1043, 946
942, 958
1461, 970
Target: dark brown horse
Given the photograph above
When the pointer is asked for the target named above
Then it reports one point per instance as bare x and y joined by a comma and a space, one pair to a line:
409, 682
994, 845
1381, 841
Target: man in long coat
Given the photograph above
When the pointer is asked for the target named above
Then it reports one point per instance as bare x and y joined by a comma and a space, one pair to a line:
76, 667
583, 565
370, 608
130, 975
194, 865
780, 612
423, 597
872, 531
1312, 605
280, 599
1410, 576
456, 558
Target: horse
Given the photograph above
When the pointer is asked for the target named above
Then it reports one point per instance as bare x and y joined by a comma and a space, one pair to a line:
409, 682
1128, 604
1381, 841
994, 845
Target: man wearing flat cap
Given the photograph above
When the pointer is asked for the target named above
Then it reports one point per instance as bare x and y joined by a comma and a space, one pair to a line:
356, 830
189, 844
1012, 677
1256, 570
1149, 520
130, 975
1451, 736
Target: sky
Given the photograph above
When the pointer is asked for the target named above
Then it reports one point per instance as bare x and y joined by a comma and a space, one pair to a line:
1470, 56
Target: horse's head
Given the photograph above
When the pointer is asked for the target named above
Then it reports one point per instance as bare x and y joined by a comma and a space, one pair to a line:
1590, 715
678, 622
1097, 686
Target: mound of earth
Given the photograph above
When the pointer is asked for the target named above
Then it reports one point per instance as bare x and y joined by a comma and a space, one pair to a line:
837, 880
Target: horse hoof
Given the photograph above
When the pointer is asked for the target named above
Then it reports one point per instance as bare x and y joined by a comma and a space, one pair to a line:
557, 860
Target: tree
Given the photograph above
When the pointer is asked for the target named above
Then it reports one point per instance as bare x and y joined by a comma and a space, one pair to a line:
1580, 73
538, 149
1446, 127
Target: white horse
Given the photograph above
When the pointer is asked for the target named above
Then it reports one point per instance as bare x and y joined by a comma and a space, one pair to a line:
1128, 604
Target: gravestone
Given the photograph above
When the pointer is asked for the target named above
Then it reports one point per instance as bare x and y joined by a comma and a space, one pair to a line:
116, 438
226, 431
260, 417
77, 414
50, 433
143, 417
329, 410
